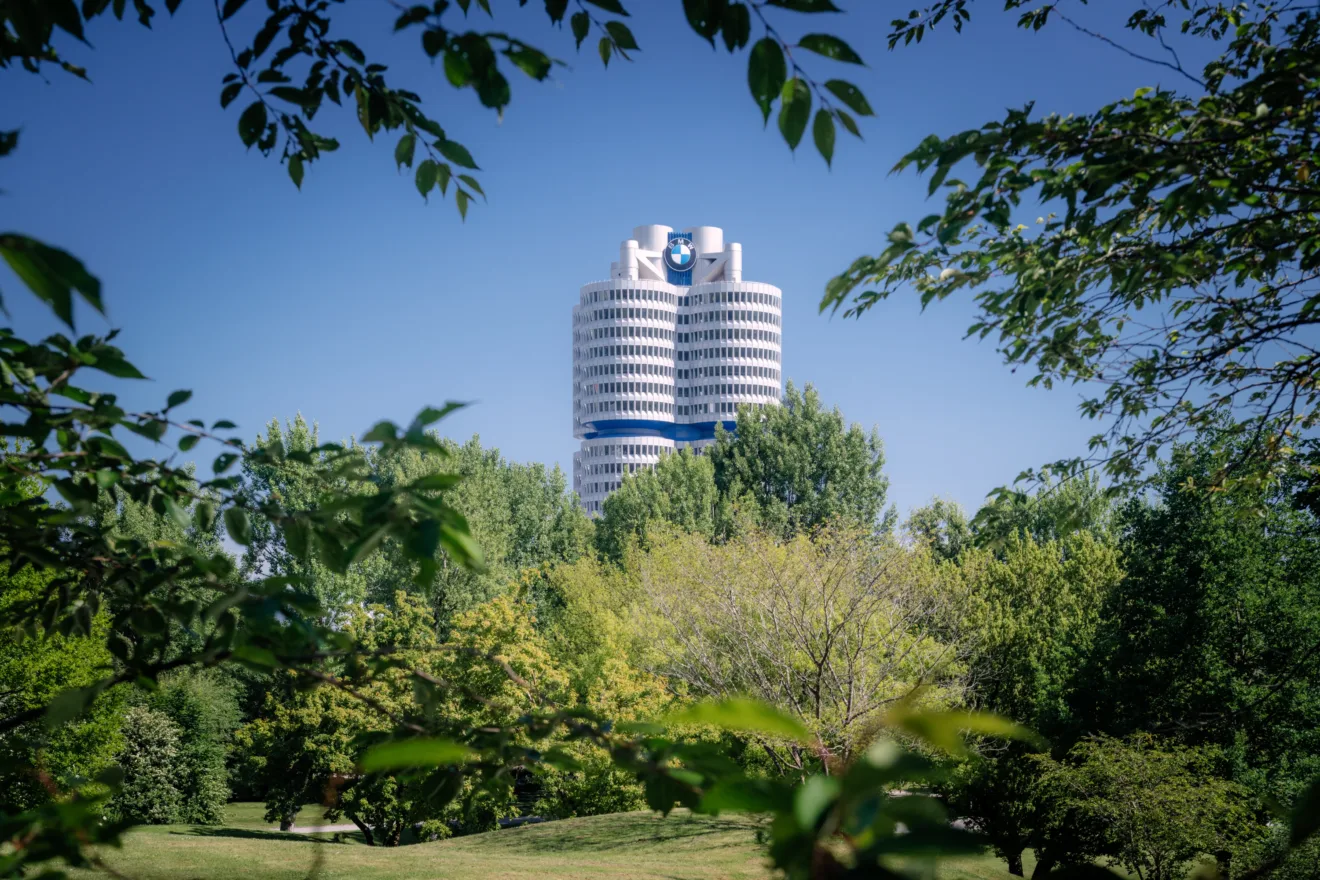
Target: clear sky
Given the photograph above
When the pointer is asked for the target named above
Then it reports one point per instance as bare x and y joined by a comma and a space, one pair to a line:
353, 300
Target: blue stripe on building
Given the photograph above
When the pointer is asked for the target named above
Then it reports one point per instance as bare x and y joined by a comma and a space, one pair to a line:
649, 428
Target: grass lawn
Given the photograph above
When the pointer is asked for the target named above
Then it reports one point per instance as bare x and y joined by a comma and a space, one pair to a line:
622, 846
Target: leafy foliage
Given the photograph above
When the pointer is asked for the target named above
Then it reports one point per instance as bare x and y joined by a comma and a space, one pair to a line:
1172, 263
798, 466
150, 762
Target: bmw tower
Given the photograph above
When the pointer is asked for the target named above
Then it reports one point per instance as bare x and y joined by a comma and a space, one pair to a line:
671, 345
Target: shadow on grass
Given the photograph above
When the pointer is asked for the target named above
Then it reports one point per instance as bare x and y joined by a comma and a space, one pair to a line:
618, 832
341, 837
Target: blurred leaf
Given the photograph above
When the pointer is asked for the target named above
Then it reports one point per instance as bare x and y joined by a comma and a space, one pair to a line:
742, 714
945, 729
420, 752
50, 273
822, 131
623, 38
610, 6
581, 23
1306, 814
403, 153
794, 111
238, 526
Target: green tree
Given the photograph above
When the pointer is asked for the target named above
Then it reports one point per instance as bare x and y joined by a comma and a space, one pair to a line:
36, 761
203, 705
800, 466
522, 515
1152, 808
1159, 250
942, 526
1031, 611
1214, 630
150, 762
680, 492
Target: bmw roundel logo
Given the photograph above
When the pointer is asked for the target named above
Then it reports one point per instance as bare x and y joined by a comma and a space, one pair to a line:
680, 255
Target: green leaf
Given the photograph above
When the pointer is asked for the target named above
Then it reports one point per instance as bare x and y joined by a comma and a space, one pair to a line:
51, 274
472, 184
850, 95
223, 425
945, 730
1306, 814
747, 796
403, 153
740, 713
296, 170
737, 26
461, 199
64, 15
581, 23
229, 93
822, 131
605, 47
813, 798
703, 18
188, 441
238, 526
830, 47
425, 176
456, 153
794, 111
69, 704
849, 123
805, 5
252, 123
766, 72
610, 6
420, 752
623, 38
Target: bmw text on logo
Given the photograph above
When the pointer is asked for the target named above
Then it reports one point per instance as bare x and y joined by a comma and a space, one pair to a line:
680, 255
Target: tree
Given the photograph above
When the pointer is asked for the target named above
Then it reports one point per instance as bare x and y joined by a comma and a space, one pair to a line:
522, 515
1160, 249
800, 466
1150, 807
1030, 611
275, 622
834, 629
38, 762
203, 705
150, 762
942, 526
680, 491
1213, 633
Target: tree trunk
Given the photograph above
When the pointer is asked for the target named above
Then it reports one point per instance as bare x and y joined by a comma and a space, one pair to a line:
1014, 860
1044, 864
395, 834
366, 831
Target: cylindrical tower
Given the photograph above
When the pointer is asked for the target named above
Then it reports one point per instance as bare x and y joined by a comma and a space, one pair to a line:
671, 345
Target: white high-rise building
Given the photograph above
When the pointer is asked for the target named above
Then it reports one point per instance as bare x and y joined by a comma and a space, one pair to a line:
674, 342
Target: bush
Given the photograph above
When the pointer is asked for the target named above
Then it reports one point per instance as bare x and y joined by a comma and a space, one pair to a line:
204, 707
150, 761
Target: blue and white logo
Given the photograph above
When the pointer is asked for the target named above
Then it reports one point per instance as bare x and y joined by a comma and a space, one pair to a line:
680, 255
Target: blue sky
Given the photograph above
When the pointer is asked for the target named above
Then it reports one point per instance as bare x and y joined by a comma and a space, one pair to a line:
353, 300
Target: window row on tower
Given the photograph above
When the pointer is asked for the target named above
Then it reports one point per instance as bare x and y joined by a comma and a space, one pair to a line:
643, 294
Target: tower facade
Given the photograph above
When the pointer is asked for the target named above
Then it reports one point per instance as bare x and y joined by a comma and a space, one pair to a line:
672, 344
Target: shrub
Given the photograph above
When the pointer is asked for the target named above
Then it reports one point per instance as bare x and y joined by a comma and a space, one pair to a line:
150, 761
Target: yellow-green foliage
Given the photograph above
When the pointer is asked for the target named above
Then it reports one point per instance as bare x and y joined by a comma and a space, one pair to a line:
35, 761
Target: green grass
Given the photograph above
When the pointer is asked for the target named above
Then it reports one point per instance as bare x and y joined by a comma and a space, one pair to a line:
622, 846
